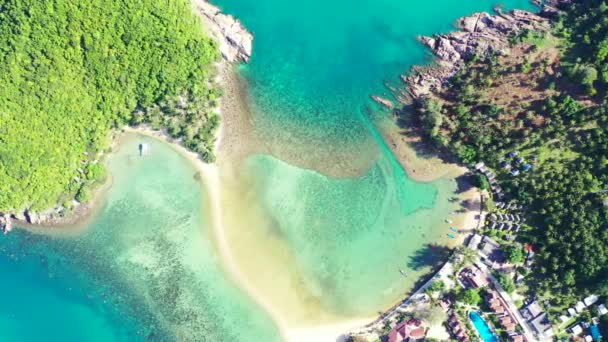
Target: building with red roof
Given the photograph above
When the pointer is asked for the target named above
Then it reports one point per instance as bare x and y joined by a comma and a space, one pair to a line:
407, 331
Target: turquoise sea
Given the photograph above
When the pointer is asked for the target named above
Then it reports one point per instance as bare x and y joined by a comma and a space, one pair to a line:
314, 67
146, 268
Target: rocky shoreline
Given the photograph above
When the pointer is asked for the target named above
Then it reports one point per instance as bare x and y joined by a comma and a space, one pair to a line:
480, 34
235, 45
235, 42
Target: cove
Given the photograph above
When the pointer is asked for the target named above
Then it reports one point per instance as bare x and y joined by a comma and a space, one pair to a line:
337, 239
144, 270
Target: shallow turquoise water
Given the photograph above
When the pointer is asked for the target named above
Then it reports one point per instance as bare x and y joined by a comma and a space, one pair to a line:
146, 270
350, 236
315, 64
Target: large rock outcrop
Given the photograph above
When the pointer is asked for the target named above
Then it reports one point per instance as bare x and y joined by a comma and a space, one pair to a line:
235, 41
480, 34
6, 224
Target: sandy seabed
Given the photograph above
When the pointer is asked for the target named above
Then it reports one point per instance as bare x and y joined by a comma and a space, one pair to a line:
270, 278
294, 308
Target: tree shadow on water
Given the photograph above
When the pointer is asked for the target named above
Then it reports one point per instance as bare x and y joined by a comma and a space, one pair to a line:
430, 255
464, 182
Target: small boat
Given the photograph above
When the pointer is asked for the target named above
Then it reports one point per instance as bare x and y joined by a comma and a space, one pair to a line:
403, 273
448, 221
143, 149
454, 229
451, 236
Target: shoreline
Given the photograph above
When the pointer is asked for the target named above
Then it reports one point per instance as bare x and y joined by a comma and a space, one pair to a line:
482, 34
421, 161
210, 178
233, 107
235, 45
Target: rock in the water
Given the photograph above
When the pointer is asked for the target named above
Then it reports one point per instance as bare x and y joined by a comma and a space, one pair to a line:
235, 41
6, 224
384, 102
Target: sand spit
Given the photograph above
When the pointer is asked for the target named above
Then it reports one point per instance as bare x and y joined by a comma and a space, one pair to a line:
290, 331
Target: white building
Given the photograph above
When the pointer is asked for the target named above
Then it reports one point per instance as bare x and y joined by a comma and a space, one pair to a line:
590, 300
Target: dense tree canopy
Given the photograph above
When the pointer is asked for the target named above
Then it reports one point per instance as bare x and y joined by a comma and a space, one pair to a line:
586, 27
72, 70
470, 296
549, 103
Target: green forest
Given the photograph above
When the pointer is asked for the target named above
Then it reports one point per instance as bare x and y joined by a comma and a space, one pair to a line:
73, 70
558, 122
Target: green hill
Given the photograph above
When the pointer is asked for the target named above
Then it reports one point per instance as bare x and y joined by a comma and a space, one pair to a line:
72, 70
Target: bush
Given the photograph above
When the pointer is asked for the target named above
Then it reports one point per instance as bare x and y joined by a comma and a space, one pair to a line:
83, 194
515, 255
507, 283
470, 296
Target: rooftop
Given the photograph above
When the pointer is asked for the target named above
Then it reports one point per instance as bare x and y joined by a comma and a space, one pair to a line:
590, 300
532, 310
541, 323
406, 331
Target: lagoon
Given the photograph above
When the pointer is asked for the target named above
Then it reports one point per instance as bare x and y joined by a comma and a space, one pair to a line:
321, 225
337, 214
145, 270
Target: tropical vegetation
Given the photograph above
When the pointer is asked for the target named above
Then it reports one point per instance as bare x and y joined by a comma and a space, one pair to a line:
73, 70
548, 101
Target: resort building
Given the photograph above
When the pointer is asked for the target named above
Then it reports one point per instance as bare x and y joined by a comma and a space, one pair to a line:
491, 253
531, 311
474, 241
518, 338
407, 331
500, 308
457, 329
590, 300
576, 330
507, 323
473, 277
538, 320
480, 167
542, 326
580, 307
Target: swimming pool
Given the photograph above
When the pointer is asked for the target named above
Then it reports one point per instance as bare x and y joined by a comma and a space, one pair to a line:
482, 327
595, 332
